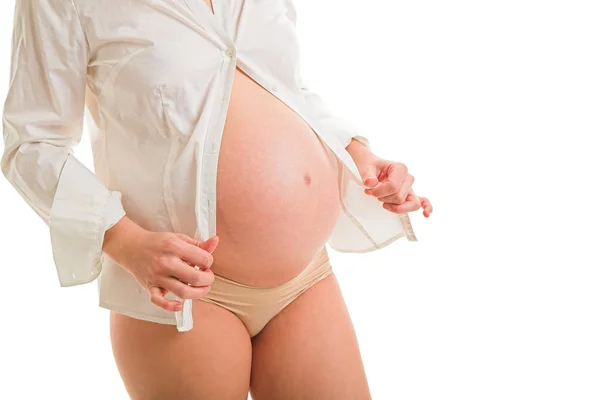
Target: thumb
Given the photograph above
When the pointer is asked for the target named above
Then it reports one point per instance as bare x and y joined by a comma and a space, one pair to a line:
210, 244
369, 176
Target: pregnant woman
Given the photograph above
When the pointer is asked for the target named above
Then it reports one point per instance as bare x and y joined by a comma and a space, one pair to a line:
200, 124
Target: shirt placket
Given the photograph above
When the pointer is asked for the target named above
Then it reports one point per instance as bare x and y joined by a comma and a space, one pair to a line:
208, 157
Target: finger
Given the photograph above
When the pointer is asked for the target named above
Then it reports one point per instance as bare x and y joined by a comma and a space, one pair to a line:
183, 290
192, 253
413, 197
157, 297
187, 274
385, 188
211, 244
395, 198
427, 207
406, 188
392, 184
405, 207
208, 245
369, 175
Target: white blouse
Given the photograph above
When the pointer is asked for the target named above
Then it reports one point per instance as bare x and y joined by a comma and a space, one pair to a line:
153, 80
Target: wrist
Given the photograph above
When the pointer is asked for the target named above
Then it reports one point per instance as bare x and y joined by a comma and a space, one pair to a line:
358, 150
119, 236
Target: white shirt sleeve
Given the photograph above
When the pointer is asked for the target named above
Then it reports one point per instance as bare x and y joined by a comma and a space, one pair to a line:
42, 124
340, 128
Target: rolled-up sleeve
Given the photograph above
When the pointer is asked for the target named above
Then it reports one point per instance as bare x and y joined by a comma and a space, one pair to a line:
42, 124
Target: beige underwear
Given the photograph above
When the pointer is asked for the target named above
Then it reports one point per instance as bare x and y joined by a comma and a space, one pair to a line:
256, 306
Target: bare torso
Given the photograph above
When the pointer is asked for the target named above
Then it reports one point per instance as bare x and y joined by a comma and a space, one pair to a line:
277, 193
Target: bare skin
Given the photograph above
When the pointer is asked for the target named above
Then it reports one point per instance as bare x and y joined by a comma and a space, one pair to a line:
216, 358
211, 361
296, 356
309, 351
289, 187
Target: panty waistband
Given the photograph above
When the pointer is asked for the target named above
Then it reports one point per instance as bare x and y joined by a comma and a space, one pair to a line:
318, 264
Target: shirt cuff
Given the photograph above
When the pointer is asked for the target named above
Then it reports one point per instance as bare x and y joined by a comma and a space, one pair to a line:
80, 212
361, 139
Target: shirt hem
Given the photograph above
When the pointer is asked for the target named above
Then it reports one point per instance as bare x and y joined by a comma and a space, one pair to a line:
376, 246
137, 315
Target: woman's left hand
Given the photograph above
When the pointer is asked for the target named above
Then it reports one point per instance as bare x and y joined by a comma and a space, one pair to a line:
391, 184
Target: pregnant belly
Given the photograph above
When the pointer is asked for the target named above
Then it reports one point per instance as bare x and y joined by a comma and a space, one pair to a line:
277, 191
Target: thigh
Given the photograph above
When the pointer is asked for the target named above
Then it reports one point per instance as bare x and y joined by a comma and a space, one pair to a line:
309, 350
210, 361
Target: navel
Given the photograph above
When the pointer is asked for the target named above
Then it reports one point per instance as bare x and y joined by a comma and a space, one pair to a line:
307, 179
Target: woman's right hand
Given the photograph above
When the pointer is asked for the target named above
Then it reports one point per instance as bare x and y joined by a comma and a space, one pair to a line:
162, 262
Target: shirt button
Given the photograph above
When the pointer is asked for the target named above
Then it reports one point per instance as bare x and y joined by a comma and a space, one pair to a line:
229, 52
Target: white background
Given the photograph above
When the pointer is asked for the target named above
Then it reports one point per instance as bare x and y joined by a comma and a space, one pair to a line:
494, 107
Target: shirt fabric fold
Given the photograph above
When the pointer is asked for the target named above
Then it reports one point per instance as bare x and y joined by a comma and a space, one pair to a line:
152, 79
